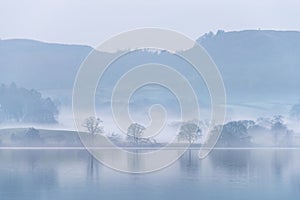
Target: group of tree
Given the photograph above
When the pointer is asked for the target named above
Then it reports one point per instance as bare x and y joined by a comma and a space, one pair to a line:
232, 134
134, 135
242, 133
189, 132
295, 111
27, 106
276, 127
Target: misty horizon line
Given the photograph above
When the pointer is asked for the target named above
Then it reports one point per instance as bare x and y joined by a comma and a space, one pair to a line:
95, 47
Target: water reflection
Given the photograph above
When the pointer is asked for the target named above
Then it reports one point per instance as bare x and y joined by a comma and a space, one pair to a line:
92, 168
233, 161
189, 161
280, 161
75, 174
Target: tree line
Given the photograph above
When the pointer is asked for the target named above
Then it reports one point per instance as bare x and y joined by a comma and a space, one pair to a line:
241, 133
18, 104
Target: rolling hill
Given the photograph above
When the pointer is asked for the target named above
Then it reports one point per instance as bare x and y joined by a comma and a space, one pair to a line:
256, 65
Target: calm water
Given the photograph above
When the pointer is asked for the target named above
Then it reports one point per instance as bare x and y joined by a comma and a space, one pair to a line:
225, 174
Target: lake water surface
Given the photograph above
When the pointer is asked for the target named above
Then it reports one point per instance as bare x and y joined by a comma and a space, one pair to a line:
224, 174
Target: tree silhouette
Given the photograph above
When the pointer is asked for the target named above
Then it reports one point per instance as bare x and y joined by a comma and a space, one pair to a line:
235, 133
135, 132
93, 125
279, 129
190, 132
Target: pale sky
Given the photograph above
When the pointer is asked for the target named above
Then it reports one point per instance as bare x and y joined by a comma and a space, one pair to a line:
92, 21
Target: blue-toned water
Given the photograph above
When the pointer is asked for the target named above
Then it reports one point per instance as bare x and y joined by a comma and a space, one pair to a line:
225, 174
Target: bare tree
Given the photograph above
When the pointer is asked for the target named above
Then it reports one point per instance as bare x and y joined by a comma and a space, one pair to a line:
135, 132
190, 132
93, 125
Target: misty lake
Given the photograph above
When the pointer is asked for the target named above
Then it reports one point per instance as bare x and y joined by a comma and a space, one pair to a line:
225, 174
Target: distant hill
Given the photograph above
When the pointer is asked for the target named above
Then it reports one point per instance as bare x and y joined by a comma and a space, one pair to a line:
255, 64
39, 65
